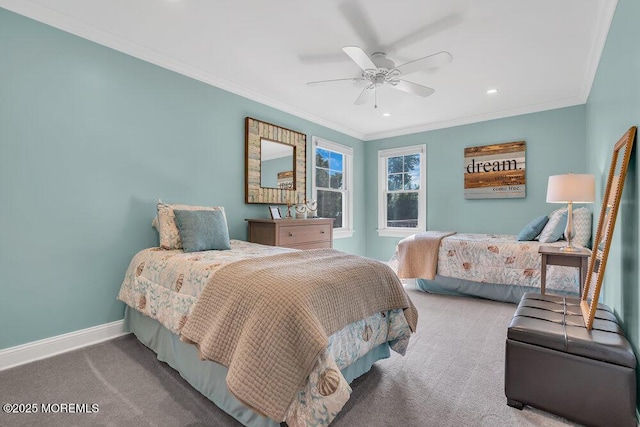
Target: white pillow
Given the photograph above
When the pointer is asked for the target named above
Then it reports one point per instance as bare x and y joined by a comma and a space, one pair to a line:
554, 229
582, 226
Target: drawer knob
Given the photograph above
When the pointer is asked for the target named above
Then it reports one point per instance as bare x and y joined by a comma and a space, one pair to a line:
290, 234
321, 231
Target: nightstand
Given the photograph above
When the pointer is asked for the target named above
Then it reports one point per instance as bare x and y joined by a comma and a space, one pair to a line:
552, 255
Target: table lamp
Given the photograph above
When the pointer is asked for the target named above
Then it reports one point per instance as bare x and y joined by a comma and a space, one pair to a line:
571, 188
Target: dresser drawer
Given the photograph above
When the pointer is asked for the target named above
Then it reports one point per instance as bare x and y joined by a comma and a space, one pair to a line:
296, 235
309, 233
312, 245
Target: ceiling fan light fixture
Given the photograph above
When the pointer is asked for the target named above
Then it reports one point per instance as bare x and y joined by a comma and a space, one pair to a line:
377, 70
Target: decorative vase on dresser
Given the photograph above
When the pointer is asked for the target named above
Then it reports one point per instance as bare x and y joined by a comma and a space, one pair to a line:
310, 233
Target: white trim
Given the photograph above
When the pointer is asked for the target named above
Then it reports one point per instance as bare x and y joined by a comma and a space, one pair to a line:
403, 151
74, 26
397, 232
342, 233
36, 350
502, 114
605, 17
339, 148
71, 25
383, 230
347, 219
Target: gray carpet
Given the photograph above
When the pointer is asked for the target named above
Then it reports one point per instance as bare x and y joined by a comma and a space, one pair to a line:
452, 375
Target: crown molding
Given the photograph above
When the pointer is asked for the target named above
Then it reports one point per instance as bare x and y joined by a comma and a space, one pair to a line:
562, 103
599, 39
73, 26
65, 23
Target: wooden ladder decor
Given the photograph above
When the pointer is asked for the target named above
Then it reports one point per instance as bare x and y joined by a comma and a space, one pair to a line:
606, 223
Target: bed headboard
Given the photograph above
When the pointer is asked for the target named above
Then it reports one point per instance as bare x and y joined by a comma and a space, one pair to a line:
606, 223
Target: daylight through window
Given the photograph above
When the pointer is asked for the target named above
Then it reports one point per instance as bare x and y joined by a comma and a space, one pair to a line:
332, 184
402, 209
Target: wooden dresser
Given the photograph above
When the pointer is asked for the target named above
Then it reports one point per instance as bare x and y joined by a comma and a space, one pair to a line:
313, 233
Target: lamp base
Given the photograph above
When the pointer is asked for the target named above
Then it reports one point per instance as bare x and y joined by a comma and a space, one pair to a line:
570, 249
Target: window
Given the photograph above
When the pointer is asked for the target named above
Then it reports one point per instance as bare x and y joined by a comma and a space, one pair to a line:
332, 184
402, 206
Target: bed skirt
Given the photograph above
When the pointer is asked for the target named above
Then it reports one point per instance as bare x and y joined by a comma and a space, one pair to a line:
459, 287
209, 377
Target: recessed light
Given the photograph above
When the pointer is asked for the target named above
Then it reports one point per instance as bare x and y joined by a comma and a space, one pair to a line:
492, 91
386, 114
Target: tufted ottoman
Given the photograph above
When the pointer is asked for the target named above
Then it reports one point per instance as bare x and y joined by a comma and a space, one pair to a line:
555, 364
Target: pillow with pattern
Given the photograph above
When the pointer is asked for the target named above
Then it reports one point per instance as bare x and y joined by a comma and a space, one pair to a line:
166, 223
582, 226
554, 229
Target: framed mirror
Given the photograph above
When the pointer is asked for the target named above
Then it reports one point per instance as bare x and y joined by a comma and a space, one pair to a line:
604, 232
275, 164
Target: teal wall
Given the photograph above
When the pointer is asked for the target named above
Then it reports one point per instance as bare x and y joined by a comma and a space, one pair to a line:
90, 138
555, 142
614, 106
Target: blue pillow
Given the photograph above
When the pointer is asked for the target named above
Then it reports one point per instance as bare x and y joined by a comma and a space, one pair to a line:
531, 230
202, 230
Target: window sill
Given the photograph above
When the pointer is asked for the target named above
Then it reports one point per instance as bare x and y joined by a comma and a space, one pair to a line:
342, 234
388, 232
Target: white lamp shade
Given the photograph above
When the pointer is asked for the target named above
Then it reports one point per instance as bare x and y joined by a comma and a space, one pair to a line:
576, 188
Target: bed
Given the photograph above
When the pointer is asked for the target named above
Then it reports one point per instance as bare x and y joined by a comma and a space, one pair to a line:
171, 293
492, 266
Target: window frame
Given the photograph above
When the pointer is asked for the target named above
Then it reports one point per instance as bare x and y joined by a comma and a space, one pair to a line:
383, 155
347, 183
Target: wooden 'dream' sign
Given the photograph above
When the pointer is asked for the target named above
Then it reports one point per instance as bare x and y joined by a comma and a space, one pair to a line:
495, 171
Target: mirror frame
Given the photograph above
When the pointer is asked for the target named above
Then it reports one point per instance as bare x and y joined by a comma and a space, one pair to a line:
607, 221
255, 131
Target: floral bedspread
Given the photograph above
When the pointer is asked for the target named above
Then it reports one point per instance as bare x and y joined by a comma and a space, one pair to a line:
164, 285
491, 258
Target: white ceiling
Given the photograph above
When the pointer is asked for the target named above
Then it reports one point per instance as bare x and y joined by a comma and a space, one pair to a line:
540, 54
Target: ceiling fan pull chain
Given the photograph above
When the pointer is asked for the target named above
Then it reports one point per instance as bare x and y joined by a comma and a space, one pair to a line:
375, 96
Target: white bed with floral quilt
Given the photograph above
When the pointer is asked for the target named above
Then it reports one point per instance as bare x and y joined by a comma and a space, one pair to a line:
504, 267
162, 286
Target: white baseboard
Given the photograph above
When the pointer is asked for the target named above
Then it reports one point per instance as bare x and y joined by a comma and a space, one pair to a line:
36, 350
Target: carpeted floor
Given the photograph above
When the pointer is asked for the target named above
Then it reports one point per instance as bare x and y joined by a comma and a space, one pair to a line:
452, 375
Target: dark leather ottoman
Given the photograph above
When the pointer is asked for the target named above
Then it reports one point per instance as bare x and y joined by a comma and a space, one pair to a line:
555, 364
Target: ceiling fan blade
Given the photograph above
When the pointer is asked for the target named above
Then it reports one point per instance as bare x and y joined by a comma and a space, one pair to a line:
321, 58
364, 95
353, 79
442, 24
359, 20
359, 57
432, 61
413, 88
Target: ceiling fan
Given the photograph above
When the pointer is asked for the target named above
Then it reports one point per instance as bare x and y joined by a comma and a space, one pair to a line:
378, 70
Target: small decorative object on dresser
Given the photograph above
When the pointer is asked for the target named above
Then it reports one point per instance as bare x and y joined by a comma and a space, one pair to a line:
301, 211
275, 212
312, 209
292, 233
